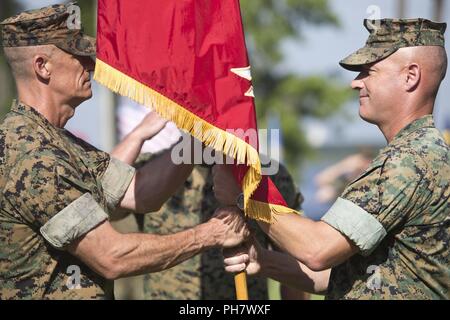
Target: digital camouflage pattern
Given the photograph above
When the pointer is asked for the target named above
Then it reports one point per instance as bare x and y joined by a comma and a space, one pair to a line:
407, 189
42, 170
49, 25
202, 277
389, 35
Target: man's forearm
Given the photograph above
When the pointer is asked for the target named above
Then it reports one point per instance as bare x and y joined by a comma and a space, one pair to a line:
114, 255
128, 149
289, 271
296, 235
145, 253
313, 243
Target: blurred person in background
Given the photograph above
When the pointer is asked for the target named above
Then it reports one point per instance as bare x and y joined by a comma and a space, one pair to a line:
332, 181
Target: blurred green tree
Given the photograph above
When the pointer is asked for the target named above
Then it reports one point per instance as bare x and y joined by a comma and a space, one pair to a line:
88, 16
269, 23
7, 88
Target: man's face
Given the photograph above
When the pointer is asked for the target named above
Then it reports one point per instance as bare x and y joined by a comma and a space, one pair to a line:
379, 86
71, 76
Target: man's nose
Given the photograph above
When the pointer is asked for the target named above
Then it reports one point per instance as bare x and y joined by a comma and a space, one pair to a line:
357, 83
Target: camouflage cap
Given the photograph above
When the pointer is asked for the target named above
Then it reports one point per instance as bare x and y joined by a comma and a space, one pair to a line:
389, 35
57, 24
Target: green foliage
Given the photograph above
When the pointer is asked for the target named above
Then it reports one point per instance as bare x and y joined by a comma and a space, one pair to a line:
294, 97
268, 23
7, 89
88, 19
9, 8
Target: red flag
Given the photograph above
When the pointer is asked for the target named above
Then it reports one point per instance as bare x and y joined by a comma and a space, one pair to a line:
187, 59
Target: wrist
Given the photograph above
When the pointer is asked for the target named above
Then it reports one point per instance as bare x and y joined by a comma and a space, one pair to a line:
136, 137
205, 235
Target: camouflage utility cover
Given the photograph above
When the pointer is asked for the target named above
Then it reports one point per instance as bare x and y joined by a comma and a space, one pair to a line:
389, 35
56, 24
398, 213
54, 188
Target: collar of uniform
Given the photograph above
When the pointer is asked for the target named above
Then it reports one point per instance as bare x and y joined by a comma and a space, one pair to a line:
31, 113
424, 122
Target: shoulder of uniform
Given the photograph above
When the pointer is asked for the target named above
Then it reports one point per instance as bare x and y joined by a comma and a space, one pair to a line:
407, 160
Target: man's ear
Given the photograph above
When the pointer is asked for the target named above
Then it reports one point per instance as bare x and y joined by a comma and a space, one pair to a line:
42, 66
413, 75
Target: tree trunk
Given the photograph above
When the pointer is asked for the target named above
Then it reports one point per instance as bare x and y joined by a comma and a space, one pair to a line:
401, 9
438, 10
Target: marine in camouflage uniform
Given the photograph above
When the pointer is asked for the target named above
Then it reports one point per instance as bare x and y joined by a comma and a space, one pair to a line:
54, 187
203, 277
398, 211
403, 200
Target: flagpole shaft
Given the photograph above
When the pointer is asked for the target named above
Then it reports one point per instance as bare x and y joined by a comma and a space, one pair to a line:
240, 282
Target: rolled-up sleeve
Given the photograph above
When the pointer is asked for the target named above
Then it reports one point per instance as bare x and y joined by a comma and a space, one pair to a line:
382, 199
116, 181
356, 223
74, 221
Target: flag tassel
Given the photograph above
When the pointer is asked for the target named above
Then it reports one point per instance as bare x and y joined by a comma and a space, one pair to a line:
208, 134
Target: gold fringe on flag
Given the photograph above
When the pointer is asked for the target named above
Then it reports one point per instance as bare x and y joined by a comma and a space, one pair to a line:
446, 135
208, 134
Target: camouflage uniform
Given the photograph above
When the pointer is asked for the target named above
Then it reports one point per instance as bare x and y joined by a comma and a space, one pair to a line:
397, 211
54, 188
203, 277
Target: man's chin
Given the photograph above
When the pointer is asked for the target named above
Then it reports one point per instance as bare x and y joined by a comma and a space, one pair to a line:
364, 116
81, 98
87, 95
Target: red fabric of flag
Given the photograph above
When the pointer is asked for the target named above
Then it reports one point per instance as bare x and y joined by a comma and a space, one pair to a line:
188, 61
